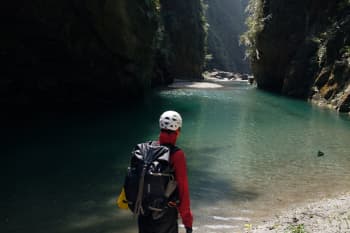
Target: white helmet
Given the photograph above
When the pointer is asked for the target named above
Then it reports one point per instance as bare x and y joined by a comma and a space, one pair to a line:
170, 120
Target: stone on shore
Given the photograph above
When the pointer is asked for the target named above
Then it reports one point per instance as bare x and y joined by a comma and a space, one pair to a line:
325, 216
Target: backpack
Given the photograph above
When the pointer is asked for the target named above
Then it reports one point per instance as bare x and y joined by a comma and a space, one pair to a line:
149, 184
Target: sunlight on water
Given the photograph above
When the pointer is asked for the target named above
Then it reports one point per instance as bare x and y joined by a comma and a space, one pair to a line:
251, 153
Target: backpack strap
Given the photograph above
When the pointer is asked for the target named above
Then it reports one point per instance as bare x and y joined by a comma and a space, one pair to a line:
138, 208
172, 148
138, 204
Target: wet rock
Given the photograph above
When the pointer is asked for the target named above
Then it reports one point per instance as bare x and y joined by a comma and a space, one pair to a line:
344, 103
223, 74
323, 77
244, 76
320, 153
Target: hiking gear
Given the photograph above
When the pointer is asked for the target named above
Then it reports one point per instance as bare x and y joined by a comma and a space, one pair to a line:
121, 201
167, 224
149, 184
170, 120
188, 230
178, 162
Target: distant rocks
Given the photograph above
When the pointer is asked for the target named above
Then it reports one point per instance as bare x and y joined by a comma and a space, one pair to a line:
228, 76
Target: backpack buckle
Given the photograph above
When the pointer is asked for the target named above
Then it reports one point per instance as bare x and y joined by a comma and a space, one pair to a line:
172, 204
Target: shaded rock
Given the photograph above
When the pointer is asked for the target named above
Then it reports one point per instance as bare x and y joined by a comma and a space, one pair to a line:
72, 50
344, 103
244, 76
223, 74
295, 47
322, 77
184, 29
91, 51
320, 153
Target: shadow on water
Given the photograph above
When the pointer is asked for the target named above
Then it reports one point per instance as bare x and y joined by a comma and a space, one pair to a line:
209, 187
63, 171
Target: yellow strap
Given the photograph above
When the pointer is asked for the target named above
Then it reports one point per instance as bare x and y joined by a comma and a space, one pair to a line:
121, 201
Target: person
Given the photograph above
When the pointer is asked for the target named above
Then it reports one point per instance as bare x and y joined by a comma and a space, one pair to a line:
170, 123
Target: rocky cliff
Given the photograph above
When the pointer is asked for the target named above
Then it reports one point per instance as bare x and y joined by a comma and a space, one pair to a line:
226, 23
301, 49
184, 30
94, 51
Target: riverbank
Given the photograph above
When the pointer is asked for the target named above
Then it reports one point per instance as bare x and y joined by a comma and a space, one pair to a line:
324, 216
332, 104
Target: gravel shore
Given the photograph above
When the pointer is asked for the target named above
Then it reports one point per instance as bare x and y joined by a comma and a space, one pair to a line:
324, 216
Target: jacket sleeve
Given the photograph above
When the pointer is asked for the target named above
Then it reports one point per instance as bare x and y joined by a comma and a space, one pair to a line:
180, 168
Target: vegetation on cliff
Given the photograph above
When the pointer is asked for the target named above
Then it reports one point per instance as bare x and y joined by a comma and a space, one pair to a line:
300, 49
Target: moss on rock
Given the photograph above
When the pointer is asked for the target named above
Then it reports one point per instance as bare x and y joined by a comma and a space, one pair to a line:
300, 46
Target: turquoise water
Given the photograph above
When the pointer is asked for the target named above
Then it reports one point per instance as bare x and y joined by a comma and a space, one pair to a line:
249, 153
252, 153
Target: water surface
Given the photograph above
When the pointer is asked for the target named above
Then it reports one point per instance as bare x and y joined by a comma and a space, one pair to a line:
250, 154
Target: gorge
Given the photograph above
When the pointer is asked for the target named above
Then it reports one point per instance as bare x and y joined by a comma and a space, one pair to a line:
99, 51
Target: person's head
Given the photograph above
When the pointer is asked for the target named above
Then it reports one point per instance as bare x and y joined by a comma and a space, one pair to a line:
170, 121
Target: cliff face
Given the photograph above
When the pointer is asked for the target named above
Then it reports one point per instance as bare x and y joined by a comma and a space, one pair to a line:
301, 49
226, 23
83, 51
77, 50
184, 30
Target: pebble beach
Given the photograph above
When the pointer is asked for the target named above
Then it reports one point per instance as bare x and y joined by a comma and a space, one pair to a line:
324, 216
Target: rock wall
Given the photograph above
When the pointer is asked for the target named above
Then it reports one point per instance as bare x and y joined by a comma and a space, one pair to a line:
301, 49
184, 30
226, 24
92, 50
76, 50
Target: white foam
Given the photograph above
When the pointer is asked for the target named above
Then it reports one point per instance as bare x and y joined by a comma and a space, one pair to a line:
231, 218
195, 85
220, 226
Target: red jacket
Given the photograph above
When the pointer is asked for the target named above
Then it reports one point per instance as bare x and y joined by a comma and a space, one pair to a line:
179, 164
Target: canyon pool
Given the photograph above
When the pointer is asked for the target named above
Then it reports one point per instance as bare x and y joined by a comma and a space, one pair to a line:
250, 154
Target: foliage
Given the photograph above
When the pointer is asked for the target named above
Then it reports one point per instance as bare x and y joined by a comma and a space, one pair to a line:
297, 229
322, 48
208, 57
346, 51
321, 53
343, 4
255, 24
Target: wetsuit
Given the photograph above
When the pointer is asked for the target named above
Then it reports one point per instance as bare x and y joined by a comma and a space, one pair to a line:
168, 223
